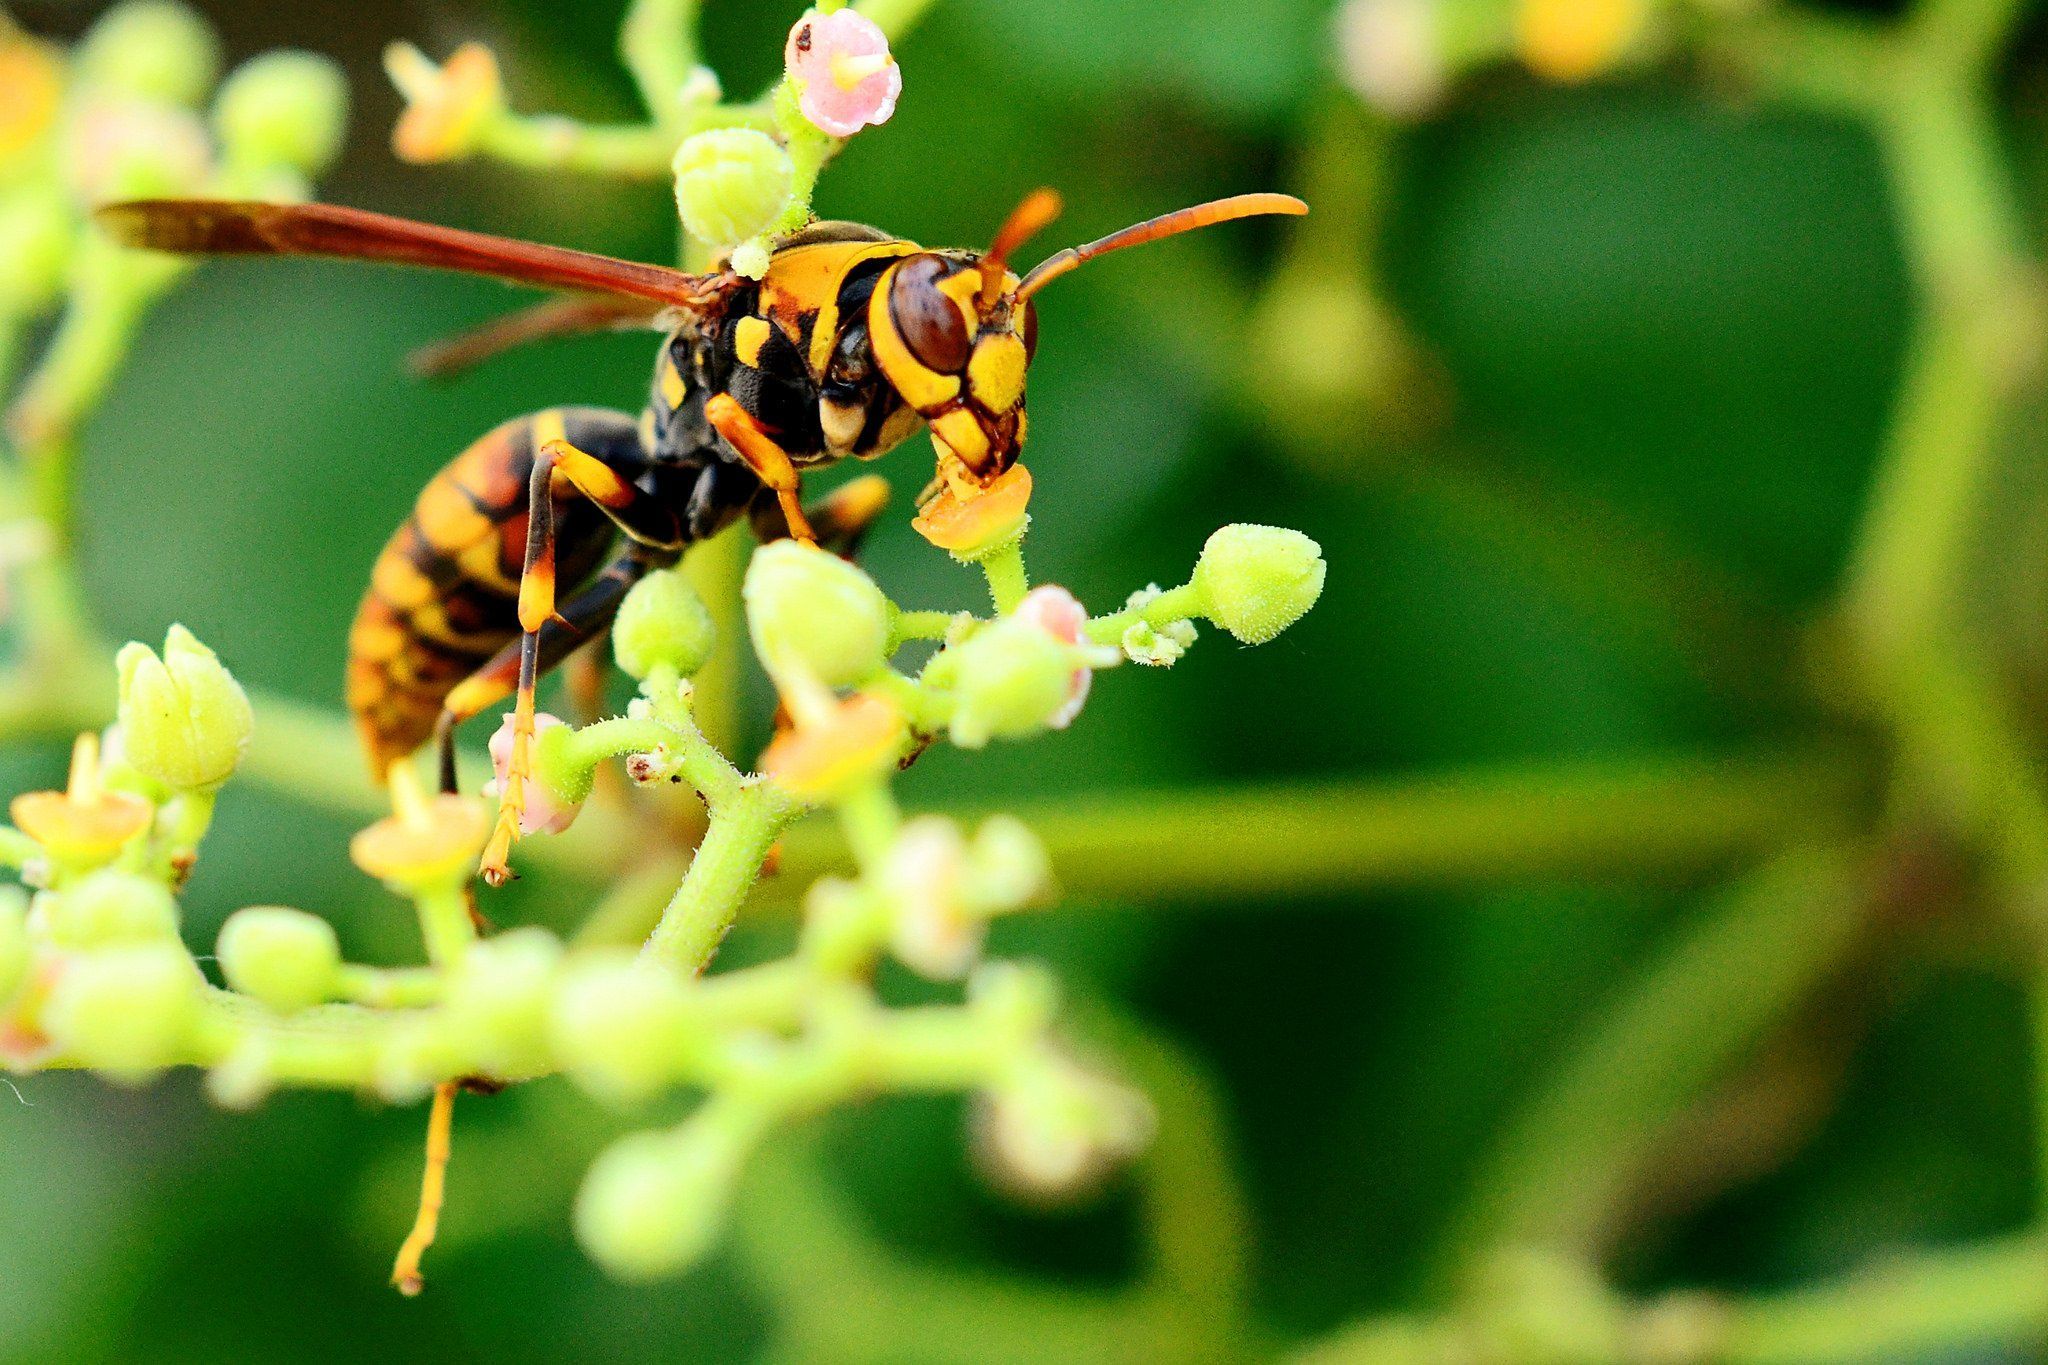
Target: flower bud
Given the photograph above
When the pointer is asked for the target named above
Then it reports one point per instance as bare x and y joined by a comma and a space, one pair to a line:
285, 958
447, 108
127, 149
810, 609
154, 50
827, 755
184, 719
663, 623
731, 184
1010, 679
1393, 54
935, 931
653, 1202
1053, 1128
499, 993
36, 236
14, 945
108, 907
843, 73
32, 74
618, 1025
1256, 581
1008, 867
124, 1011
1576, 40
283, 109
542, 809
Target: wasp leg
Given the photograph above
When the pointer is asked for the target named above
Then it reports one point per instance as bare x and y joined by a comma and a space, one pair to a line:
405, 1271
769, 461
840, 520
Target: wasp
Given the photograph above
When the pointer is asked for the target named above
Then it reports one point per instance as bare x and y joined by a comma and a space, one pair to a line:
520, 550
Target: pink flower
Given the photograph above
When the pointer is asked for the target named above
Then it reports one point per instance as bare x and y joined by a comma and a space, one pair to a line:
1060, 614
541, 813
844, 76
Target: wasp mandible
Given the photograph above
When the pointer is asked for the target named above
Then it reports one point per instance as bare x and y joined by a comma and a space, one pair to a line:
849, 343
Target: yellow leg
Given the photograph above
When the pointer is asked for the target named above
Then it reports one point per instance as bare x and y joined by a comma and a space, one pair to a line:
405, 1271
769, 461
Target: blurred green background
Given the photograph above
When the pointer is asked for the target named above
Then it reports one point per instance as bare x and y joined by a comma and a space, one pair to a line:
1668, 326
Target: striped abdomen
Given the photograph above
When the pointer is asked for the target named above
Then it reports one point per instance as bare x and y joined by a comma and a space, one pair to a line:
443, 598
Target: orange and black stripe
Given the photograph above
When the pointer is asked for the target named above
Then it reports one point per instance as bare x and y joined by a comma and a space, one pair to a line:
443, 597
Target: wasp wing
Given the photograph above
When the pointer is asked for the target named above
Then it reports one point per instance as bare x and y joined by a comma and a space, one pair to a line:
566, 316
238, 228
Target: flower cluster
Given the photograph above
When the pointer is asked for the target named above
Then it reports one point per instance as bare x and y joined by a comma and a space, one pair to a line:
93, 972
744, 172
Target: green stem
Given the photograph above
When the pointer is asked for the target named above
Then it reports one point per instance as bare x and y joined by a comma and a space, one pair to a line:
1183, 603
1565, 1166
658, 45
921, 625
724, 870
446, 927
624, 151
388, 987
1007, 579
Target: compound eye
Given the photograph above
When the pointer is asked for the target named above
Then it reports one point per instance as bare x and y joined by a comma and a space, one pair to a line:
931, 324
1030, 329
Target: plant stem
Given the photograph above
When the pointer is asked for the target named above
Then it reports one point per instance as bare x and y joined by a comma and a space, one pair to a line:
1565, 1164
658, 44
727, 863
1007, 580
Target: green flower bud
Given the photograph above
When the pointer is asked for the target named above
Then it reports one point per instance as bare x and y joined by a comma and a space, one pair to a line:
14, 946
108, 907
124, 1011
1256, 581
283, 109
663, 622
497, 1005
286, 958
184, 719
1007, 867
653, 1202
731, 183
36, 237
1010, 679
619, 1025
153, 50
810, 609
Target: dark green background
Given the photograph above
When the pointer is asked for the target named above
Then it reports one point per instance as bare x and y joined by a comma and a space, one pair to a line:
1668, 320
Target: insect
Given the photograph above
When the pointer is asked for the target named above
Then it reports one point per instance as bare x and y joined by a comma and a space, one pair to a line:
852, 341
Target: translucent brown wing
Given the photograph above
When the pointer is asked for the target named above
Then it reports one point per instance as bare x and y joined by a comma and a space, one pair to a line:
235, 228
566, 316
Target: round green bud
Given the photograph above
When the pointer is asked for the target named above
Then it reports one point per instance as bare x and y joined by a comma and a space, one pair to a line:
811, 610
124, 1011
14, 945
1010, 679
286, 958
184, 719
37, 232
619, 1025
663, 622
1007, 867
731, 183
1256, 581
150, 49
108, 907
497, 1005
283, 109
653, 1202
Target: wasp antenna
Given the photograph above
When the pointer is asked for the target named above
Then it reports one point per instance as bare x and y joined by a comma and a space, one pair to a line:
1026, 221
1152, 229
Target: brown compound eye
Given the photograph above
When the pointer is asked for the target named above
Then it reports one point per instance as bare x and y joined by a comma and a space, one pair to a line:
1030, 329
931, 324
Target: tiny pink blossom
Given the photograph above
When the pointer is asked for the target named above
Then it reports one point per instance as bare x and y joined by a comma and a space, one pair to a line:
935, 934
1060, 614
541, 813
845, 78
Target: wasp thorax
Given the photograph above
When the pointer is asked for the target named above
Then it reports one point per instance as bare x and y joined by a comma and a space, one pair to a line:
956, 345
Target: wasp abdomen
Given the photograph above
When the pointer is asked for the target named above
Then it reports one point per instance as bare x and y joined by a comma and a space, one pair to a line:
443, 598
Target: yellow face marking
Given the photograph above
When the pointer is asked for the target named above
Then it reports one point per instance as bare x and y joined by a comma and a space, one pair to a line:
842, 423
673, 390
748, 338
964, 288
962, 433
996, 373
921, 386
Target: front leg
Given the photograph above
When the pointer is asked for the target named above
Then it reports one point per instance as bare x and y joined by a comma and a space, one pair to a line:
769, 461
